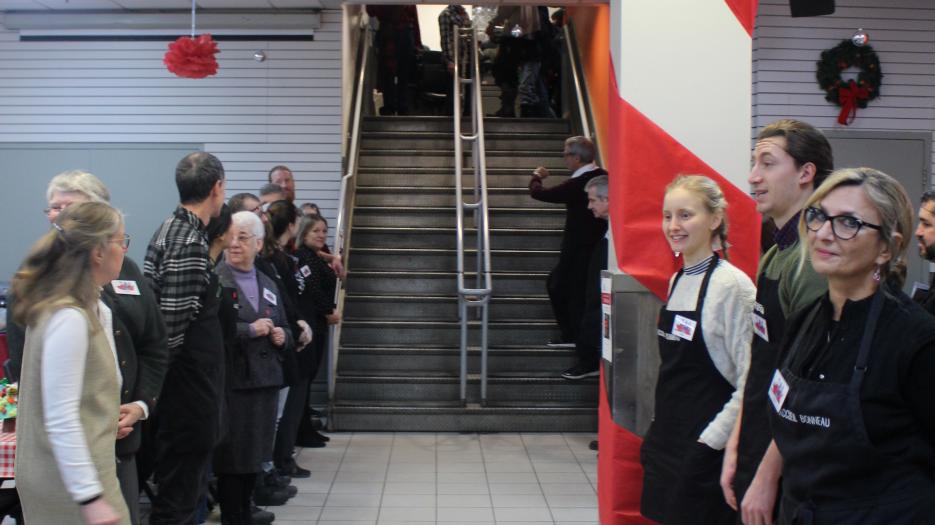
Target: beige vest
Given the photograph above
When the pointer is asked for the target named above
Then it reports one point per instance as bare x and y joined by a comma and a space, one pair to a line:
41, 489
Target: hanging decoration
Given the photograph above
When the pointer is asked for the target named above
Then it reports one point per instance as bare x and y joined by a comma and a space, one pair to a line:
192, 57
850, 94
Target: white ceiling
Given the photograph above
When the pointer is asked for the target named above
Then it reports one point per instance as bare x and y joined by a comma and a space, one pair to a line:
47, 5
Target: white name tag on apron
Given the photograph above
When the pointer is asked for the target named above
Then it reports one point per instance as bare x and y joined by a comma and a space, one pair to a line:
125, 287
778, 390
305, 271
759, 326
684, 327
269, 296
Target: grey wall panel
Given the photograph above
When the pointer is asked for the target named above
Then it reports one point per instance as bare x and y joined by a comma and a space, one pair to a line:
140, 178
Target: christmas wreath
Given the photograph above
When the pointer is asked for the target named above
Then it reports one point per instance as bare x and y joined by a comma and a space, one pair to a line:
850, 94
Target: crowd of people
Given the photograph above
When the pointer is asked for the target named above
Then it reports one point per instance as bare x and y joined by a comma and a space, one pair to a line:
803, 398
190, 376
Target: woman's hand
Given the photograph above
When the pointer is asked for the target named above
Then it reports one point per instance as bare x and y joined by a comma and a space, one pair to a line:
333, 318
99, 512
262, 327
130, 413
337, 265
305, 337
729, 467
278, 335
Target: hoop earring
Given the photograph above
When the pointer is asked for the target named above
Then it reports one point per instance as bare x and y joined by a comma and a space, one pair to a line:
876, 274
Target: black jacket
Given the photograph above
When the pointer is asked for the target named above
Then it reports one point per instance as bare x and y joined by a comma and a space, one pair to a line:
581, 227
140, 339
254, 362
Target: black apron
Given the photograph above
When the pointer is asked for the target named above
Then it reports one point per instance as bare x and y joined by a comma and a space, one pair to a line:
828, 456
193, 392
679, 474
754, 431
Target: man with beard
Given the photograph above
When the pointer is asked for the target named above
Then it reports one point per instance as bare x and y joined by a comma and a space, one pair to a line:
925, 233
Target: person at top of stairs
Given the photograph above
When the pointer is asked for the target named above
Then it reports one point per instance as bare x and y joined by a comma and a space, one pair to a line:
567, 281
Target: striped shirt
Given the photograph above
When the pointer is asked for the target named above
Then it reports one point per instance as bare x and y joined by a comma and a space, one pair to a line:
178, 267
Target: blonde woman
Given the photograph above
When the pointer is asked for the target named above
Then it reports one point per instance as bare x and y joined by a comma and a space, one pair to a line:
70, 383
851, 400
704, 334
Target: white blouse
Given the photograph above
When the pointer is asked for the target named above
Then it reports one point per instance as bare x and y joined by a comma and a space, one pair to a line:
64, 355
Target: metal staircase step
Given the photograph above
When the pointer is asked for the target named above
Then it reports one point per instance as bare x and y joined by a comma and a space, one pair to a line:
445, 159
444, 238
445, 197
445, 124
444, 216
356, 361
429, 140
439, 283
446, 333
446, 260
451, 417
500, 388
441, 308
444, 177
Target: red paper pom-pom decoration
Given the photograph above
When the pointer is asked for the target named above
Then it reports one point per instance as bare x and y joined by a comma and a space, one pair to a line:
192, 57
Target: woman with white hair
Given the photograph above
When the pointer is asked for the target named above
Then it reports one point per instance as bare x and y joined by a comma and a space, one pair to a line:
254, 370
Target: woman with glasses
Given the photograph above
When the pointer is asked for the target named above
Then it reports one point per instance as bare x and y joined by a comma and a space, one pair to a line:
852, 398
70, 382
704, 334
254, 370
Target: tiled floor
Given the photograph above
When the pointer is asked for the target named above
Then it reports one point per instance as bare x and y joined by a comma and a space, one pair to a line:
423, 478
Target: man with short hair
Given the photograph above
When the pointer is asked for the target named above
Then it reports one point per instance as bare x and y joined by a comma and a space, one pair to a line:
925, 234
271, 192
282, 176
790, 159
588, 344
567, 281
138, 331
180, 270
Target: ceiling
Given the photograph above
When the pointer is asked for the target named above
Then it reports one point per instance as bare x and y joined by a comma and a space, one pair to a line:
110, 5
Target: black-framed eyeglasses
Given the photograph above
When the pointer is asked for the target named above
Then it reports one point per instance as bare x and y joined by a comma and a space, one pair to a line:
844, 227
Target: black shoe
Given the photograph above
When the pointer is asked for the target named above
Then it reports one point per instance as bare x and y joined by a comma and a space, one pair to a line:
273, 479
581, 371
558, 343
309, 439
261, 517
268, 496
295, 471
593, 445
318, 436
505, 113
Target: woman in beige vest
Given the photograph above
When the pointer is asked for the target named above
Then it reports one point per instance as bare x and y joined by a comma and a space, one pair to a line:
70, 383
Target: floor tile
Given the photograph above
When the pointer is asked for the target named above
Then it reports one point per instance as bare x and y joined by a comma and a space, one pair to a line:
408, 500
407, 514
352, 500
466, 514
462, 488
401, 487
522, 514
463, 500
518, 500
347, 513
563, 514
515, 488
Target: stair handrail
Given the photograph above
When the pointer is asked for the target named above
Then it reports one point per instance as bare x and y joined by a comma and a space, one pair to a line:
581, 95
341, 238
479, 295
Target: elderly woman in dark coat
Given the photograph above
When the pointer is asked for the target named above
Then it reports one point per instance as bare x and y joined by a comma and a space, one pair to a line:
254, 370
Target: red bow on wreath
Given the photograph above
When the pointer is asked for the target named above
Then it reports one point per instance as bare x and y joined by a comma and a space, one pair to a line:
192, 57
849, 96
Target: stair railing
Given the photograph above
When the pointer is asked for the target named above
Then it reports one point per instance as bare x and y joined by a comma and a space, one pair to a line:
582, 105
478, 296
346, 195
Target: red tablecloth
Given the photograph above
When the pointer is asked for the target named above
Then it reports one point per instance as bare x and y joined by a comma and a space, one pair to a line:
7, 454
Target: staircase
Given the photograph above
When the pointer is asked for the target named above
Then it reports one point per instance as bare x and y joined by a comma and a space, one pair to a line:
399, 357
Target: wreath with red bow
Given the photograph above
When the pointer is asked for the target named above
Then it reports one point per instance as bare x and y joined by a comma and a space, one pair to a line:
850, 94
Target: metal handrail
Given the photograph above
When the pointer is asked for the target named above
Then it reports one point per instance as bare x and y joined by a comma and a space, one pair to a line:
341, 238
479, 296
580, 94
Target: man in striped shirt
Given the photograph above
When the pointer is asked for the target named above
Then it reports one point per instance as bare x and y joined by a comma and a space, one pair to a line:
177, 265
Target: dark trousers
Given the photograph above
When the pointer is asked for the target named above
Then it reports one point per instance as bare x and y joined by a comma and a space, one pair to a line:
129, 485
395, 73
234, 491
566, 286
297, 398
180, 476
588, 344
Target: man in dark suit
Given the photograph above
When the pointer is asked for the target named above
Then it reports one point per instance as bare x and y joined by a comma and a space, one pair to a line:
925, 234
568, 280
139, 335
